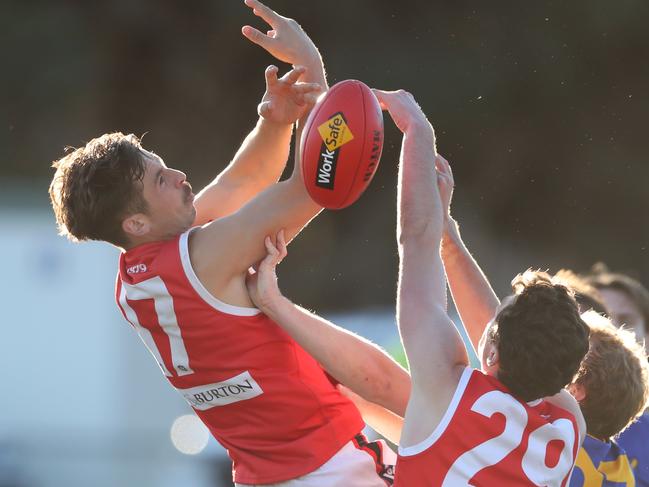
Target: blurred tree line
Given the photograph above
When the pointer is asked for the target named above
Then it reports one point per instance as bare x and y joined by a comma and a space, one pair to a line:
541, 108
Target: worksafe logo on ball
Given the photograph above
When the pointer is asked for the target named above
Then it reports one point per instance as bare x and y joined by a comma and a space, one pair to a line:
335, 133
235, 389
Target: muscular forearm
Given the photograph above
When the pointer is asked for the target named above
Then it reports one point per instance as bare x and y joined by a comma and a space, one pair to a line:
420, 222
353, 361
263, 154
474, 298
419, 204
258, 163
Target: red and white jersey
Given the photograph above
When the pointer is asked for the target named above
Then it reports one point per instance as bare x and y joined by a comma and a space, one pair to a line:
261, 395
489, 438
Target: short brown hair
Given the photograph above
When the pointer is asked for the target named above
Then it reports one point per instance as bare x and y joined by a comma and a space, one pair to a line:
541, 338
614, 375
602, 278
586, 295
96, 186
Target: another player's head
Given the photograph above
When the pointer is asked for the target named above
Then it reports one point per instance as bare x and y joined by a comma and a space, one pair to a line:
612, 385
586, 295
626, 299
537, 340
113, 190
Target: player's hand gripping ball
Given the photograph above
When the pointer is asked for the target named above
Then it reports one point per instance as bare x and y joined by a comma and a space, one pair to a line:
341, 144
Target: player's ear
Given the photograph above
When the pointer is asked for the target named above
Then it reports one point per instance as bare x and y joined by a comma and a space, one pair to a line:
492, 356
578, 391
136, 225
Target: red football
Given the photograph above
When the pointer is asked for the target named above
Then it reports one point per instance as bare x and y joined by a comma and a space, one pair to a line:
341, 144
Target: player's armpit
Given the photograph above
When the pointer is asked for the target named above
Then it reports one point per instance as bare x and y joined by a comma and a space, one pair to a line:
227, 247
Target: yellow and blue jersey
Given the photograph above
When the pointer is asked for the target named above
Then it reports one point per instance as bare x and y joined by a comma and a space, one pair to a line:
601, 464
635, 441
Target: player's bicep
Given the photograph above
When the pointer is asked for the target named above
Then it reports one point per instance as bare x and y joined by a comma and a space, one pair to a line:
223, 197
432, 343
230, 245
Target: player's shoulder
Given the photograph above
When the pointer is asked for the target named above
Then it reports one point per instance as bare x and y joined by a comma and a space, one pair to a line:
151, 259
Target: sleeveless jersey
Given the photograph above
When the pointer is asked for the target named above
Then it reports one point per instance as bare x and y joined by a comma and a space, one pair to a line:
601, 464
635, 442
260, 394
489, 438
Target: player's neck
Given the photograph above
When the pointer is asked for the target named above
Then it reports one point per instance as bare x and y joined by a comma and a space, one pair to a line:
146, 239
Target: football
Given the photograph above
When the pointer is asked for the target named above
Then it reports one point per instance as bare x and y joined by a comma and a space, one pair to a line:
341, 144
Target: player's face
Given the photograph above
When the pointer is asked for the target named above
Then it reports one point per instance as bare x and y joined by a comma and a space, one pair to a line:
624, 312
169, 198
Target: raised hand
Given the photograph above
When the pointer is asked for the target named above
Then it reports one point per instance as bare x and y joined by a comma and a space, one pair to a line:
286, 100
445, 183
403, 109
262, 283
286, 40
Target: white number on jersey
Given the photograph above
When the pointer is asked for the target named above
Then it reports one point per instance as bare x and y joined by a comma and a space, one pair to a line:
155, 289
492, 451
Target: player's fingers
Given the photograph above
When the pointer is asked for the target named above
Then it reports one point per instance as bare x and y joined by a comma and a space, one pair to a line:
271, 249
256, 37
446, 167
439, 165
271, 76
294, 74
261, 10
281, 244
385, 97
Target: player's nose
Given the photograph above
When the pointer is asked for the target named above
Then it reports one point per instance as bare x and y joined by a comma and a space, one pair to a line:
180, 176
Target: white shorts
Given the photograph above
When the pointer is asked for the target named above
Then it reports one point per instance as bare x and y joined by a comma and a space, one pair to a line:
357, 464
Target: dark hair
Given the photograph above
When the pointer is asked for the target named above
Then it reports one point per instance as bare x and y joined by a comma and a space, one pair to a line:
541, 338
614, 376
602, 278
96, 186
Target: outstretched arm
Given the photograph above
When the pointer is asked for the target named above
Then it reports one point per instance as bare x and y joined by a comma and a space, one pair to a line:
351, 359
474, 298
262, 157
435, 351
260, 160
287, 42
222, 251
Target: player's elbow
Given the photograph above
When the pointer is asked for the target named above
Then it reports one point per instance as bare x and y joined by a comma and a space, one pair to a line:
384, 382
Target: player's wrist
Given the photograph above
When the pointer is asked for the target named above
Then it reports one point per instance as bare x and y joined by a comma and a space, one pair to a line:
275, 305
310, 58
274, 126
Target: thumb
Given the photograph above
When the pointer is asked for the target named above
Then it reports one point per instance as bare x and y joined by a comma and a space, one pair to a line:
264, 109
